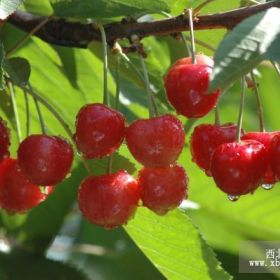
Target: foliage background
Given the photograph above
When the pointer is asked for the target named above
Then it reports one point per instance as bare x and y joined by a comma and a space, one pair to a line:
181, 245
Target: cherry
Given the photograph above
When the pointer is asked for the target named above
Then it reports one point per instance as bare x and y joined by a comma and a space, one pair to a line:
109, 200
156, 142
4, 140
187, 89
45, 160
17, 193
275, 154
99, 130
238, 168
265, 138
206, 138
163, 189
200, 59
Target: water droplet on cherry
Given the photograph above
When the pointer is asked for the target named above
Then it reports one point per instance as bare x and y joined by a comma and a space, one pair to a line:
233, 197
267, 186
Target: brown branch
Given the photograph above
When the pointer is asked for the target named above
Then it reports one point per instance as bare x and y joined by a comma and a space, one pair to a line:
61, 32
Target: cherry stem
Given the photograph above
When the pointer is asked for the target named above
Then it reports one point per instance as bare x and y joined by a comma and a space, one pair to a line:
58, 117
15, 109
217, 115
106, 97
182, 35
241, 109
27, 36
117, 104
152, 112
39, 112
27, 113
276, 67
189, 125
192, 36
258, 100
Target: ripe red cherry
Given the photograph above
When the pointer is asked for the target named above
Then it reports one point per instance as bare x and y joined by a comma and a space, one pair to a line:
265, 138
238, 168
45, 160
206, 138
163, 189
17, 193
186, 86
4, 140
156, 142
109, 200
200, 59
99, 130
275, 155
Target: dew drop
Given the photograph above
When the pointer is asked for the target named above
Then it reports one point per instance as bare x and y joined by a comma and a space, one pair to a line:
68, 175
233, 197
267, 186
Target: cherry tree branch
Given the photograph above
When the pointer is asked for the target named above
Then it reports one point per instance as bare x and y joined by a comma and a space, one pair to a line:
73, 34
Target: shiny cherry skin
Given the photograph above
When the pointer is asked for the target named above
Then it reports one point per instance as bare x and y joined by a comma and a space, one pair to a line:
206, 138
200, 59
186, 86
100, 130
45, 160
275, 154
265, 138
4, 140
109, 200
17, 193
238, 168
156, 142
163, 189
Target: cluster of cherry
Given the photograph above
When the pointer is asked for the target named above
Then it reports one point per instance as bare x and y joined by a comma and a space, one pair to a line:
43, 161
110, 200
237, 167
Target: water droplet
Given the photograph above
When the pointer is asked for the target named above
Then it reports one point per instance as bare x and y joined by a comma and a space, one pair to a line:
68, 175
233, 197
267, 186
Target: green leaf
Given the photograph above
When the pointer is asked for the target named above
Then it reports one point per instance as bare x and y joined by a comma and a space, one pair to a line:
18, 69
253, 40
175, 246
19, 266
2, 56
7, 7
106, 8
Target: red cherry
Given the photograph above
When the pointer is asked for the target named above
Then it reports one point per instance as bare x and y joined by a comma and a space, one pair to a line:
187, 89
45, 160
17, 194
99, 130
206, 138
275, 154
4, 140
156, 142
238, 168
265, 138
163, 189
200, 59
109, 200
